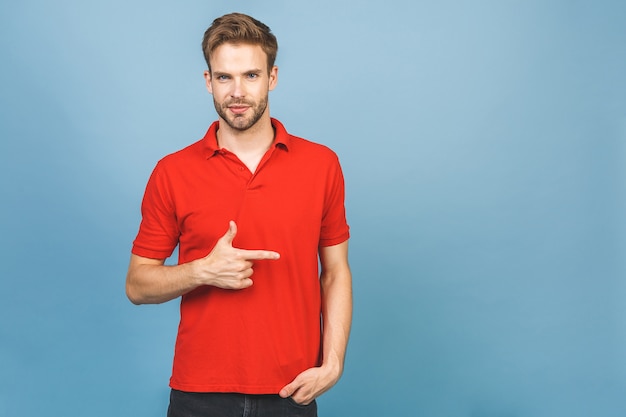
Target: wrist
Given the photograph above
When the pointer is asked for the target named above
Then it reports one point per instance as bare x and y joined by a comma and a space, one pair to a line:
193, 271
333, 368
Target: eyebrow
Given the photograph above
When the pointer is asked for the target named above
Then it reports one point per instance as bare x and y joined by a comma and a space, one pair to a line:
250, 71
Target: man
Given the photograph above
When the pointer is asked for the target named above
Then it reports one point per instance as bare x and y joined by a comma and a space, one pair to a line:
251, 208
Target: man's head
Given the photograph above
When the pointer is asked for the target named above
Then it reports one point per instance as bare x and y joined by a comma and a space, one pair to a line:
238, 28
240, 53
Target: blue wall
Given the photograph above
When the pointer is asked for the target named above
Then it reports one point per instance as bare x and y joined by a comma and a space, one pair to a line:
484, 149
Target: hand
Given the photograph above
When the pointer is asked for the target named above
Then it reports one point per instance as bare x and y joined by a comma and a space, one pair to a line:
228, 267
309, 385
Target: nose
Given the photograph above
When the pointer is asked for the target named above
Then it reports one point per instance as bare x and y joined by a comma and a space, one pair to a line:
238, 90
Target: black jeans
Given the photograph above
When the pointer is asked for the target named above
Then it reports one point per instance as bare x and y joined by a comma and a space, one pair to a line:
200, 404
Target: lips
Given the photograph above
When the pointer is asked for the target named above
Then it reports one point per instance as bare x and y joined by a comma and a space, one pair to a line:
238, 109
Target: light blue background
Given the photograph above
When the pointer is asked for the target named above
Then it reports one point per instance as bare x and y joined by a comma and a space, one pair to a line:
484, 150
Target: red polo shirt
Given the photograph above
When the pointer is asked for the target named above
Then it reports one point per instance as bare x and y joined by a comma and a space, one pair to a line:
255, 340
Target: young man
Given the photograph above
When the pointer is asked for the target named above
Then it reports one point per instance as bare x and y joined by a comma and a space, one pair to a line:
262, 332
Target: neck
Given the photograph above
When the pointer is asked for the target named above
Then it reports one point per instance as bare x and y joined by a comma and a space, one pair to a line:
258, 138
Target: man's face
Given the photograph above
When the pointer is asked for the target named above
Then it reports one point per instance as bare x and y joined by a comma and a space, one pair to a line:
239, 82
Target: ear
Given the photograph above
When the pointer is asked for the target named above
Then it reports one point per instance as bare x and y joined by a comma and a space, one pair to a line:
273, 79
207, 78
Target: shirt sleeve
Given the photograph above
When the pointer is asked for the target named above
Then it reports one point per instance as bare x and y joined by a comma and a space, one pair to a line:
159, 232
335, 229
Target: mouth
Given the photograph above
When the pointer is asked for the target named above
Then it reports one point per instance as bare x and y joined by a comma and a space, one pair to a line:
238, 108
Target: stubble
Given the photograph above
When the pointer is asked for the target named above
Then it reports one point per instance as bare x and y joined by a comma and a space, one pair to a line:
245, 121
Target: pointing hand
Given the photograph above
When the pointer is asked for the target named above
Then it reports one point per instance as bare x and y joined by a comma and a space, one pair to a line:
229, 267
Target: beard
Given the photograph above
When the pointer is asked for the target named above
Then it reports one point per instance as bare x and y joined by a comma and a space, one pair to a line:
245, 121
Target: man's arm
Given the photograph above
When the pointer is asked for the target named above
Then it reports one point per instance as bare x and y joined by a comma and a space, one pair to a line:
149, 281
336, 281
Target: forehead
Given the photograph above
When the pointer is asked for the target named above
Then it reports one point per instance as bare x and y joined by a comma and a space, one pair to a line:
230, 57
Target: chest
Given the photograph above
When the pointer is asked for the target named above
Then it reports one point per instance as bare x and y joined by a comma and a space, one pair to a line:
281, 201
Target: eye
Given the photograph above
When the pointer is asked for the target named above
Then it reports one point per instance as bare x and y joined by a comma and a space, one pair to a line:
222, 77
252, 75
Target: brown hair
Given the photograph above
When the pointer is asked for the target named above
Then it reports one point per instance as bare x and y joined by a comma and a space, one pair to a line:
239, 28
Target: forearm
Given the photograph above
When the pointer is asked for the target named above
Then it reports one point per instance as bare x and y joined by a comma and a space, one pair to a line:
336, 317
151, 282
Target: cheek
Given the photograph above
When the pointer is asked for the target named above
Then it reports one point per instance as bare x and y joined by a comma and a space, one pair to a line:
218, 91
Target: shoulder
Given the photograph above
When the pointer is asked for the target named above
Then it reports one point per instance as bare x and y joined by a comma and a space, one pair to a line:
300, 147
313, 149
183, 157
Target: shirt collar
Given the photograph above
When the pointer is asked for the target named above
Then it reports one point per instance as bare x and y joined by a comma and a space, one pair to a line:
281, 138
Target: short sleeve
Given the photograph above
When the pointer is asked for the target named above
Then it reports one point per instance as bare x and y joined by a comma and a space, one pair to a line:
335, 229
158, 232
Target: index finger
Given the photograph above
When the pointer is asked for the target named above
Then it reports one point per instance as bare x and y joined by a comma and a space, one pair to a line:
258, 254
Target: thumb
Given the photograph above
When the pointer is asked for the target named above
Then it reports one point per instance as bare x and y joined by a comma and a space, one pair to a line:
289, 389
230, 233
286, 391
